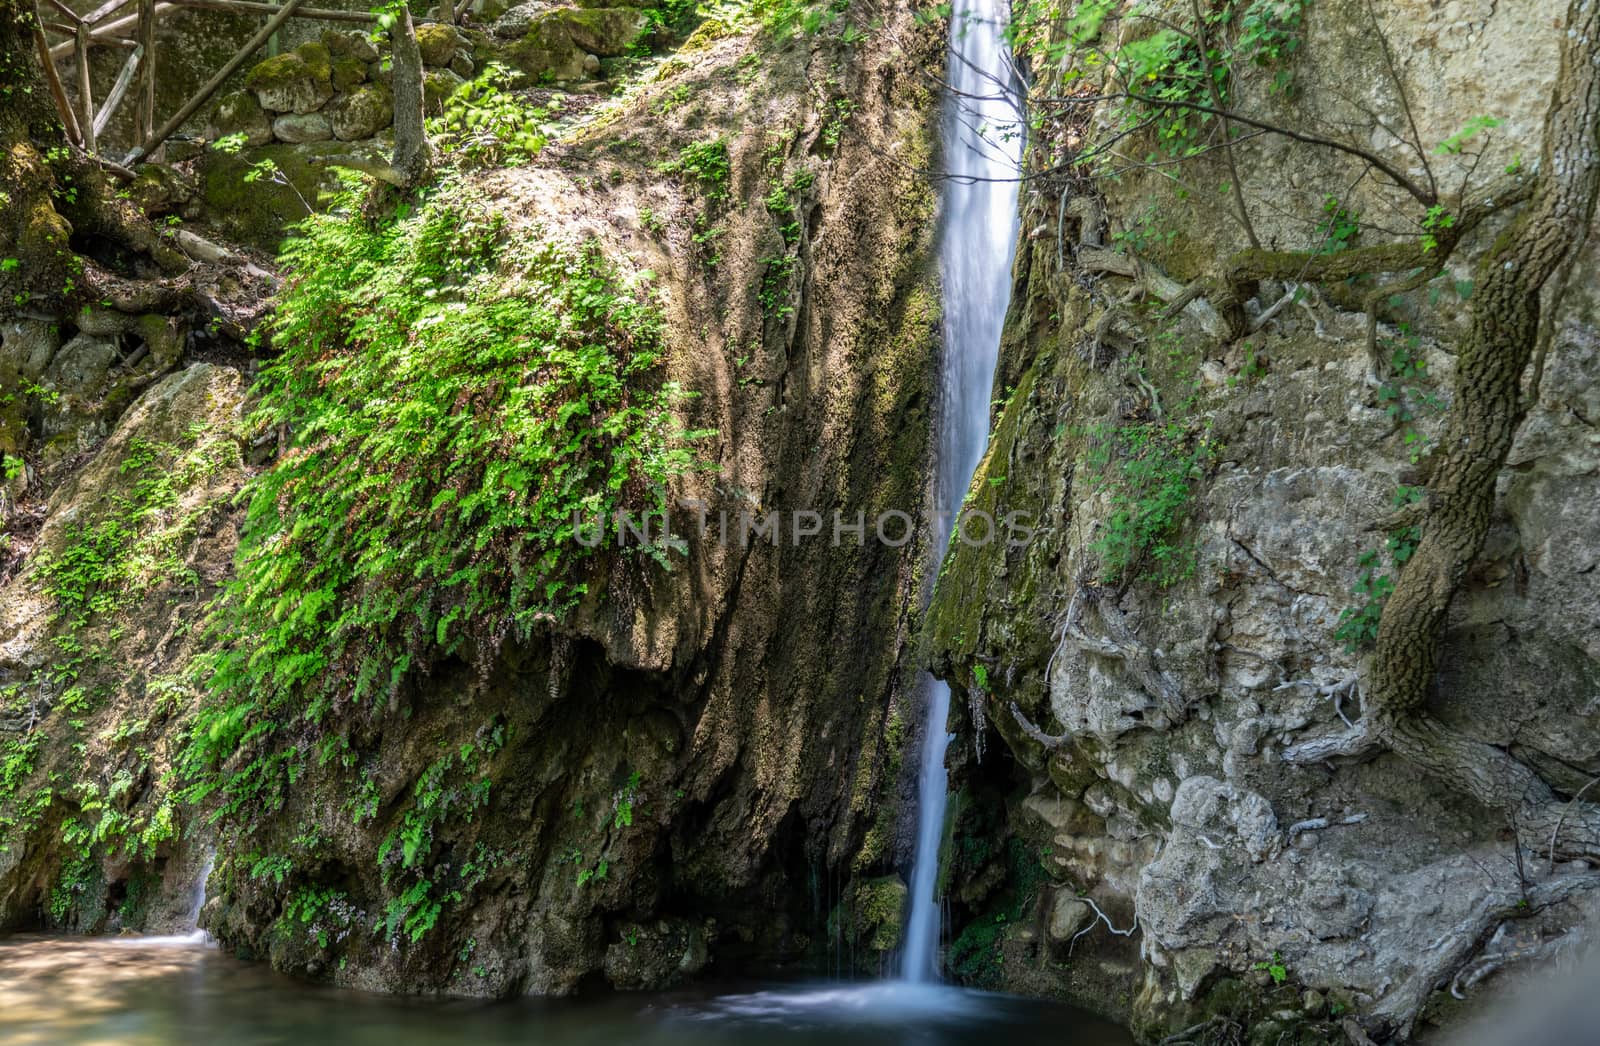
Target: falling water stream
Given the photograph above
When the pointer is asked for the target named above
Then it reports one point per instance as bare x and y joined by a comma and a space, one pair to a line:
983, 146
181, 989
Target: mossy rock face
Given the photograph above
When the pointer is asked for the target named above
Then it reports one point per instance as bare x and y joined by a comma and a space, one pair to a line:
317, 58
546, 52
240, 113
159, 189
13, 417
288, 83
348, 73
437, 43
258, 212
357, 46
609, 32
437, 86
362, 113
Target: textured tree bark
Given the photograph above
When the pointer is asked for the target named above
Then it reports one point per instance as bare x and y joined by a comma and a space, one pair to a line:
1487, 409
412, 157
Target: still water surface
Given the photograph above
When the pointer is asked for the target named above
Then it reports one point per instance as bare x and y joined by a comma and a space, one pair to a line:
147, 991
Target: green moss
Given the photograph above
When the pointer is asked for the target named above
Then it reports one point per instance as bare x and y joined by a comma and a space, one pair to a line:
437, 42
606, 31
278, 71
309, 61
452, 443
348, 73
259, 212
318, 62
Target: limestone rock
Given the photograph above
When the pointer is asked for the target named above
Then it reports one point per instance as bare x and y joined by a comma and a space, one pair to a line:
82, 366
357, 46
27, 346
462, 66
437, 87
591, 65
515, 21
558, 44
437, 42
240, 113
362, 113
348, 73
298, 81
606, 31
1068, 915
307, 127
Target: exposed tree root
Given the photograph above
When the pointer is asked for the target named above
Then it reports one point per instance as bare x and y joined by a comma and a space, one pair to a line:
1439, 963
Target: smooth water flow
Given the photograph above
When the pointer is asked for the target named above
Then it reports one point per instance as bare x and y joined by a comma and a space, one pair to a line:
983, 145
197, 898
144, 991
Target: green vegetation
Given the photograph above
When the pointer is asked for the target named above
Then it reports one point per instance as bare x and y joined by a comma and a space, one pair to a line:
484, 123
1167, 65
460, 396
705, 163
1149, 469
1274, 968
1358, 625
976, 956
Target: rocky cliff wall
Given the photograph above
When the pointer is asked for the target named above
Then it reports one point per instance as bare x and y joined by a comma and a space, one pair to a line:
1215, 514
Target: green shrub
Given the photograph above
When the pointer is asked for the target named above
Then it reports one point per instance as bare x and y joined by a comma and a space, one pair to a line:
1150, 469
458, 394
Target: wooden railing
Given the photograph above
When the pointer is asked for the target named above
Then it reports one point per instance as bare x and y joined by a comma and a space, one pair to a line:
109, 25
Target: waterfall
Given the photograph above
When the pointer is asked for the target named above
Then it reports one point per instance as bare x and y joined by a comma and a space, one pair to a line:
983, 148
197, 897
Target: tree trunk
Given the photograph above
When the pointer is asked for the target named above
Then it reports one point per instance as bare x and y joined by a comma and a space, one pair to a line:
1487, 409
32, 233
412, 157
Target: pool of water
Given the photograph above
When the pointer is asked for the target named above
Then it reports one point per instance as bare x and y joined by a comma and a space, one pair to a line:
153, 991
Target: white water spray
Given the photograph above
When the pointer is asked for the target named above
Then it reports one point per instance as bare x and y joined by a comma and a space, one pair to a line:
197, 897
983, 148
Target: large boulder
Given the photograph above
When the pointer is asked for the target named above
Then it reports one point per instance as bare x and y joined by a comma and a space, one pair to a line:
302, 127
515, 21
357, 46
362, 113
298, 81
240, 113
437, 42
348, 73
557, 43
606, 31
437, 86
27, 346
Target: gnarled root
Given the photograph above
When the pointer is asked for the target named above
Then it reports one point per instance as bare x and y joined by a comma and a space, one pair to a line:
1439, 963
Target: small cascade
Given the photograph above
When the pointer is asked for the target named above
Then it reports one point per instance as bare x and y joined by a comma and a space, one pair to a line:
197, 897
983, 148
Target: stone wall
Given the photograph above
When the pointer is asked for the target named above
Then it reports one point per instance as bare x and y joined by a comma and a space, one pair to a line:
338, 87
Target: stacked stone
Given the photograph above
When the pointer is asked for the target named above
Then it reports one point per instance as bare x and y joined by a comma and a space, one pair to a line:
337, 88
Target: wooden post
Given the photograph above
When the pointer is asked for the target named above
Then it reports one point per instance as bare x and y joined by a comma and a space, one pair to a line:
256, 7
86, 88
69, 120
153, 141
105, 10
118, 89
111, 31
145, 126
